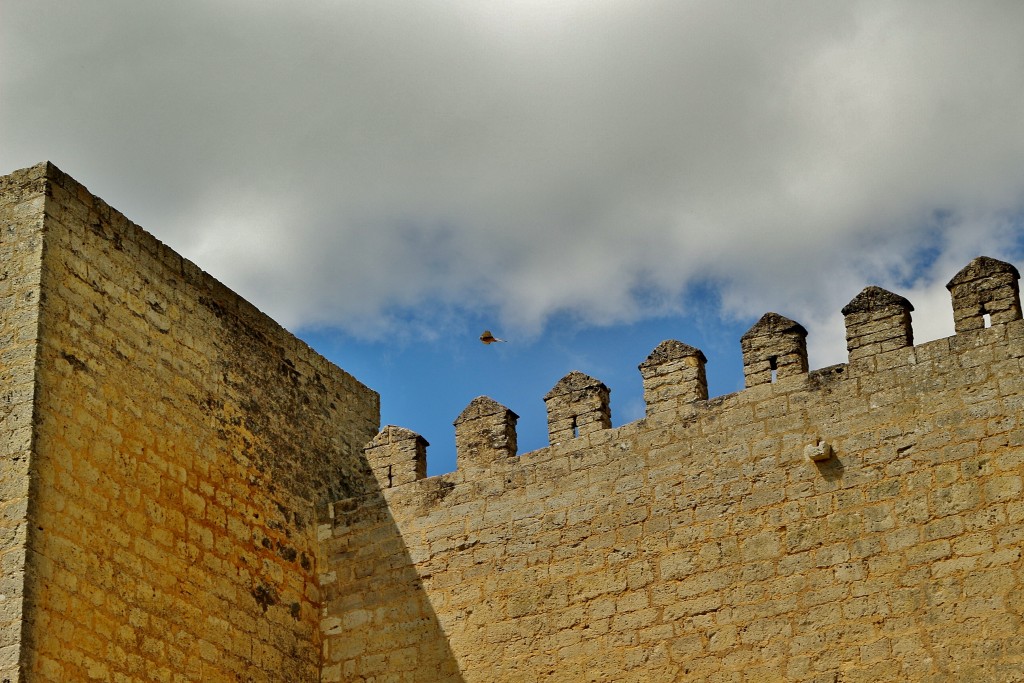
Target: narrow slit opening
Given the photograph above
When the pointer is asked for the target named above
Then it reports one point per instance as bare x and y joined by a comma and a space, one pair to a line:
987, 317
390, 478
575, 428
773, 364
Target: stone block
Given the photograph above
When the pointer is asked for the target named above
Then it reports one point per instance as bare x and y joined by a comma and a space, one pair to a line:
818, 451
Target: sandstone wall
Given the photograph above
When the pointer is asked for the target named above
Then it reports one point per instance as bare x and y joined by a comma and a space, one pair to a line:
21, 245
182, 441
708, 542
185, 496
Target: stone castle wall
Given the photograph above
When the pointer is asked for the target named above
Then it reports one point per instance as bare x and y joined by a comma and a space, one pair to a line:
181, 442
863, 522
21, 248
189, 493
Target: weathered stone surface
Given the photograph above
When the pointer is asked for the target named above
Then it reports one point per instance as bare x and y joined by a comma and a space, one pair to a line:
774, 348
185, 496
813, 530
577, 405
673, 375
22, 198
872, 299
173, 463
877, 321
397, 456
485, 433
985, 286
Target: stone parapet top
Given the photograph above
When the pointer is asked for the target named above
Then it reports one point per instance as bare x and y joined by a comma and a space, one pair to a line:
879, 341
695, 421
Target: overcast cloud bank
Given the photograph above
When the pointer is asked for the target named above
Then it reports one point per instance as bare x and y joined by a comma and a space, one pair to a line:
383, 166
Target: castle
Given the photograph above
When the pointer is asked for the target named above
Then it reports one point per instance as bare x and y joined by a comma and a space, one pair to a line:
190, 493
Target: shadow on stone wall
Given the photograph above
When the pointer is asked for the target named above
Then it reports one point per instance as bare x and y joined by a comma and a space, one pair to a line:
378, 619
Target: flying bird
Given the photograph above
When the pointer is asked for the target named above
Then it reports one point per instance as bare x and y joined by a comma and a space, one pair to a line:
488, 338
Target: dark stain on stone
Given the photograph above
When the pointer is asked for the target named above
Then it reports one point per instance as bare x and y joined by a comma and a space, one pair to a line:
75, 362
265, 596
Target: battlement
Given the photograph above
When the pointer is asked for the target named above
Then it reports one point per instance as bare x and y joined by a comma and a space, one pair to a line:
859, 522
879, 338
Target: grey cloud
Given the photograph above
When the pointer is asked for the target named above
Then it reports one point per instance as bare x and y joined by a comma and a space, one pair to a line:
353, 163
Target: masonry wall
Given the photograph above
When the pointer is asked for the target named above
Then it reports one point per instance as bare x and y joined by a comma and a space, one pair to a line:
184, 495
703, 544
21, 245
182, 441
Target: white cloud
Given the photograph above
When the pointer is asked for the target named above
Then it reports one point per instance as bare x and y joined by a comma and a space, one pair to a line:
359, 163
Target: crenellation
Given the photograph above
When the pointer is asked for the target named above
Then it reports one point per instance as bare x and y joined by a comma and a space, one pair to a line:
485, 433
673, 375
397, 456
805, 505
577, 406
985, 293
774, 348
877, 322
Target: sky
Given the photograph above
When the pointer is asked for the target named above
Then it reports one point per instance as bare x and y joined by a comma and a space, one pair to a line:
585, 178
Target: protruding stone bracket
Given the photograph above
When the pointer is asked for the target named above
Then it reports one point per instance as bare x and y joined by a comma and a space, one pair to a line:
577, 405
818, 451
485, 432
985, 287
397, 456
774, 348
673, 375
877, 321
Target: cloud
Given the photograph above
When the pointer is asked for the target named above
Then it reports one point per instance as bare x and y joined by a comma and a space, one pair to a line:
369, 165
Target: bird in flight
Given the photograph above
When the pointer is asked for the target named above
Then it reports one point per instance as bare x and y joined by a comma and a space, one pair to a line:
488, 338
